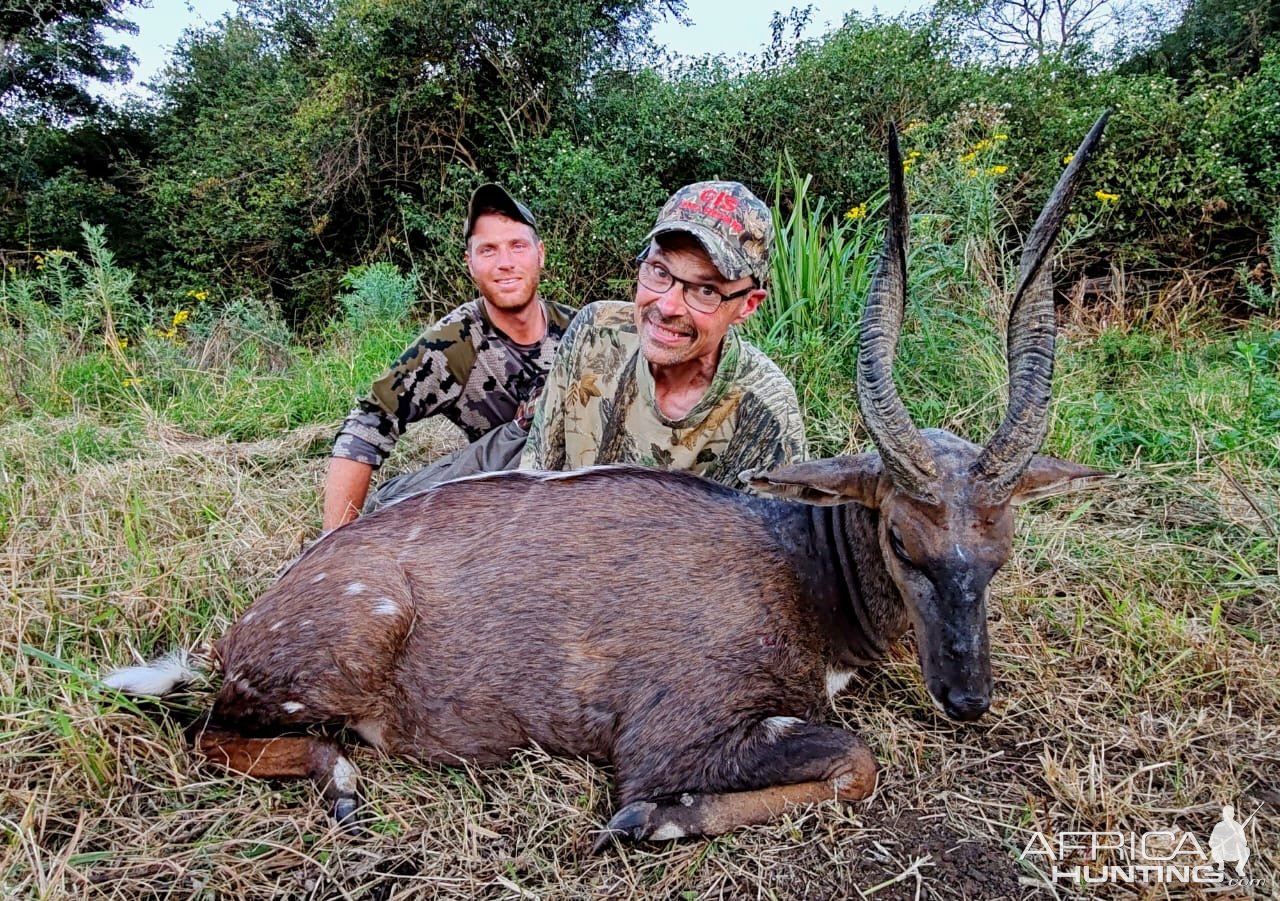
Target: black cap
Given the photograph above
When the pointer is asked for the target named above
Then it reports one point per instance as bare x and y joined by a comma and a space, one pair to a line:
495, 197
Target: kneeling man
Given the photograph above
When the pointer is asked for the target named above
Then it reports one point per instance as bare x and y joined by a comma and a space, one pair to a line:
666, 381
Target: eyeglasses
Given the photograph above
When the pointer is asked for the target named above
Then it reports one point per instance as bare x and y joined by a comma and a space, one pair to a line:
703, 298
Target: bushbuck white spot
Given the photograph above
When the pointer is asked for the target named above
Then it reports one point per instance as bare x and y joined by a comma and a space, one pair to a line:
275, 627
837, 680
354, 588
290, 706
778, 726
345, 776
937, 705
667, 831
318, 578
248, 617
387, 607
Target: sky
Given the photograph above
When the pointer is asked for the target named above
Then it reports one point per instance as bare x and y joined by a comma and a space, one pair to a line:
718, 26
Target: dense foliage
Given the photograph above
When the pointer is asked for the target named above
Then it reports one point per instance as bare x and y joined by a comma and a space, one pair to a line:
52, 47
297, 139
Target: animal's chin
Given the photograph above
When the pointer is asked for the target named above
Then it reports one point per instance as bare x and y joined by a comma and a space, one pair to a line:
958, 704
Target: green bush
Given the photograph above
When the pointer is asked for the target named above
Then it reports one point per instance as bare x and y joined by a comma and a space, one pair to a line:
377, 295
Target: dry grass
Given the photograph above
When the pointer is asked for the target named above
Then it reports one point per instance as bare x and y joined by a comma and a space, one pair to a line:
1134, 633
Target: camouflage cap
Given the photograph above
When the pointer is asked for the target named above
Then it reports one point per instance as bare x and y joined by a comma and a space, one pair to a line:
494, 197
730, 222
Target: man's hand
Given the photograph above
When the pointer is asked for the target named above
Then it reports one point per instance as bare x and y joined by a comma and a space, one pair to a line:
344, 491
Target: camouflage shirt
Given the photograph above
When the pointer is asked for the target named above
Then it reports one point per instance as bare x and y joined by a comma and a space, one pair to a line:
463, 368
599, 406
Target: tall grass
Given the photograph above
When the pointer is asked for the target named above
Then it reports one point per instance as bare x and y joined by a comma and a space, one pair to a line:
821, 266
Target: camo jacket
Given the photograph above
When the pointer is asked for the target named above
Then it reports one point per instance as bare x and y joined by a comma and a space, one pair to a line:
599, 406
463, 368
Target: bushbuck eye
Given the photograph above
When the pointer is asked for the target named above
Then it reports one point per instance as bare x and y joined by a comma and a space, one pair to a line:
895, 542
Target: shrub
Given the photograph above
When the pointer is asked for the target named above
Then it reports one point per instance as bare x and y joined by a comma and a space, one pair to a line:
377, 294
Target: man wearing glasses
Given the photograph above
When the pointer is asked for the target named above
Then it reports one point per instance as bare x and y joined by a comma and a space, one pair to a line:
666, 381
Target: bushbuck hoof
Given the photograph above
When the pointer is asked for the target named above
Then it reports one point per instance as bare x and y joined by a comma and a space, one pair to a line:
631, 823
344, 814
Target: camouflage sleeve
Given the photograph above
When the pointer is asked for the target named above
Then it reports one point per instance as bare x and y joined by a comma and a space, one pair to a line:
428, 377
768, 431
545, 448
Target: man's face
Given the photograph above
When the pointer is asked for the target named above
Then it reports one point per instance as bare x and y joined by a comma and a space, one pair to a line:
505, 258
671, 332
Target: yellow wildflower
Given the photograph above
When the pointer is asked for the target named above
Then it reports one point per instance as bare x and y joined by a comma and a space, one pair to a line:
913, 155
912, 125
1104, 197
856, 212
1001, 137
122, 343
198, 295
167, 333
180, 317
969, 157
131, 383
1066, 160
906, 167
997, 170
972, 173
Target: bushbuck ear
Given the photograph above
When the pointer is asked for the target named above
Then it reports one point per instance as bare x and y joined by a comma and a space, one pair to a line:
837, 480
1048, 476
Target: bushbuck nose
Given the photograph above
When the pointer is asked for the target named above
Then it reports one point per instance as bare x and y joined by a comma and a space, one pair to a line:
966, 705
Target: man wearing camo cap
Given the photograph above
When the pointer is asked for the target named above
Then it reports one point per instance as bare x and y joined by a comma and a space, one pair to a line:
480, 367
666, 381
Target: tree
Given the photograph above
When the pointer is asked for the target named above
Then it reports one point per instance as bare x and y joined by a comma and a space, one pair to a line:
49, 49
1021, 31
299, 133
1220, 36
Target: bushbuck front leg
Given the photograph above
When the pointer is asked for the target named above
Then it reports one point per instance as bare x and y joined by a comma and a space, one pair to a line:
799, 763
289, 757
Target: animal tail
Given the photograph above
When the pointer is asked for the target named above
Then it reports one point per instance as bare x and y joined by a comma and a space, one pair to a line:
159, 678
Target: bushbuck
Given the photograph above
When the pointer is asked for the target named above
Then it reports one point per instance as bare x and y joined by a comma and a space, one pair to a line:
686, 633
